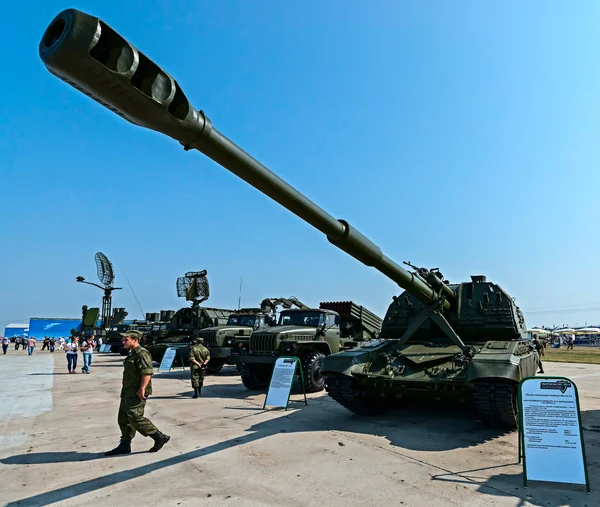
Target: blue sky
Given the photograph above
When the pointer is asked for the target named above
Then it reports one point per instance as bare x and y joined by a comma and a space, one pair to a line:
458, 135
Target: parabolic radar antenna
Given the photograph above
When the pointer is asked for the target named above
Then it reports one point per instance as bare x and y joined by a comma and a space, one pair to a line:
193, 286
104, 269
106, 276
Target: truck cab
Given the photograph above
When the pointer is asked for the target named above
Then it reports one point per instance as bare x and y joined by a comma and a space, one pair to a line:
309, 334
228, 341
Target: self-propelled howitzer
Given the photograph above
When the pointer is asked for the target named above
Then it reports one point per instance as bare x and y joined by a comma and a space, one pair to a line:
465, 339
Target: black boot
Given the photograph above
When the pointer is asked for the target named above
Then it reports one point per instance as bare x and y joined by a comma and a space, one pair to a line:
195, 392
200, 391
160, 439
124, 447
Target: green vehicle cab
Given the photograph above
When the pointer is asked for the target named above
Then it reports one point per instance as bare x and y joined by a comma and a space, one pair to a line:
310, 335
228, 341
185, 325
113, 335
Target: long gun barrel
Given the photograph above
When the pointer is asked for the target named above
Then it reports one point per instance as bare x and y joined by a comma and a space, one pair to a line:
89, 55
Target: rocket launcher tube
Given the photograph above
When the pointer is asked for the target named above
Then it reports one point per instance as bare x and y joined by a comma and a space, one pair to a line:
89, 55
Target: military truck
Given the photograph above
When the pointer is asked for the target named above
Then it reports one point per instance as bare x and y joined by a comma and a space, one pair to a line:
465, 341
181, 331
154, 326
310, 334
227, 342
178, 329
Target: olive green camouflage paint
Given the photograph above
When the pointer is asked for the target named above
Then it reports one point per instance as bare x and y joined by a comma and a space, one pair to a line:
200, 353
131, 418
137, 363
131, 410
465, 340
197, 376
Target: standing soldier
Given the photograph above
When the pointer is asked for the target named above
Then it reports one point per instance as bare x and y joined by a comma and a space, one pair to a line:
538, 346
137, 386
199, 357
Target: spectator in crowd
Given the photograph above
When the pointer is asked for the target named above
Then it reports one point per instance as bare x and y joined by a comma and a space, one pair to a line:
87, 347
71, 350
5, 342
31, 345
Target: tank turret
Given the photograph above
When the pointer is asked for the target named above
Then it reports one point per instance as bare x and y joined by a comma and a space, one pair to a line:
465, 340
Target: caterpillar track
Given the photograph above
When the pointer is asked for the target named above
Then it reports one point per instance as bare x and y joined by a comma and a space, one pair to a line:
345, 392
496, 402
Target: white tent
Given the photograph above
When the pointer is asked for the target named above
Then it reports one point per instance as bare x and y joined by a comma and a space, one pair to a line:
588, 330
537, 330
566, 330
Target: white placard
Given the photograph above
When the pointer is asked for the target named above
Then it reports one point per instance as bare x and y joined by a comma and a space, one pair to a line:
281, 382
105, 348
167, 360
551, 431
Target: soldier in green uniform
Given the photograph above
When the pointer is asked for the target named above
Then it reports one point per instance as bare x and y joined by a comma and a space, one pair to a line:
199, 358
538, 346
137, 386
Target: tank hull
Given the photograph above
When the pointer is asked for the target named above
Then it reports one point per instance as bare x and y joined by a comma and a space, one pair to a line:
375, 377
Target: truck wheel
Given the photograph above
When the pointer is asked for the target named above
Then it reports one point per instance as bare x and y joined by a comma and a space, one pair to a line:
314, 381
214, 366
255, 376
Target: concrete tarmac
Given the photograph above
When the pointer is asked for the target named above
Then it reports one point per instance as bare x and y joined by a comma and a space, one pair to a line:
225, 450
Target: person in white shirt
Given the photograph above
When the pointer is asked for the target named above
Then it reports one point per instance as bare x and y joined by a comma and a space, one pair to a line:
5, 342
87, 347
71, 350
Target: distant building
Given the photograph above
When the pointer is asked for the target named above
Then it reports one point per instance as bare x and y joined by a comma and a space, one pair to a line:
13, 330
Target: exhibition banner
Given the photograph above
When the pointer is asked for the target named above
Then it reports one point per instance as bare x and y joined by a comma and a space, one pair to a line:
550, 433
53, 328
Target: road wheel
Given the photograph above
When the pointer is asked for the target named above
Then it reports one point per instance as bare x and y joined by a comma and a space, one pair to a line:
256, 376
314, 381
214, 366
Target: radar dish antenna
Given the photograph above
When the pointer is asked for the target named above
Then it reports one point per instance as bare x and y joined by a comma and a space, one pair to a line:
104, 269
106, 276
194, 287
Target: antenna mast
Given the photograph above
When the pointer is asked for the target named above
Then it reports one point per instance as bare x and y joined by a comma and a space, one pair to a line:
106, 276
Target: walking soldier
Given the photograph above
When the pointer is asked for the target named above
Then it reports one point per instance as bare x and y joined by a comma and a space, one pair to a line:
199, 358
540, 350
137, 386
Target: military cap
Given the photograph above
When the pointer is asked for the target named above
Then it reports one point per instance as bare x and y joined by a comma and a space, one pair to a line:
133, 334
199, 339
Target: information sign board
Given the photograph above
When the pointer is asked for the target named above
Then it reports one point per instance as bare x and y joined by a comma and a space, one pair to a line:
550, 433
167, 360
282, 379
